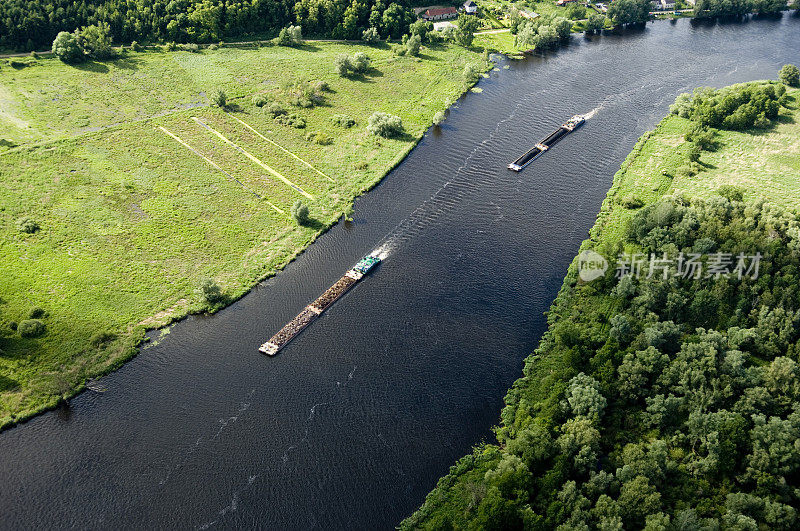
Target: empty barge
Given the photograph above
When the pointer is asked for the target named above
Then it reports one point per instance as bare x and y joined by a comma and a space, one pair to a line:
532, 154
323, 302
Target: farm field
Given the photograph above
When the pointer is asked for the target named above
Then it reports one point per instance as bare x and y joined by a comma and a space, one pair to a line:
141, 189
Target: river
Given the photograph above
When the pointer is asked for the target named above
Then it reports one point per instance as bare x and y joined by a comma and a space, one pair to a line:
353, 423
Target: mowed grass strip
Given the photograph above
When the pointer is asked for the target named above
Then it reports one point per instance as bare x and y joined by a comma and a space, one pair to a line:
293, 155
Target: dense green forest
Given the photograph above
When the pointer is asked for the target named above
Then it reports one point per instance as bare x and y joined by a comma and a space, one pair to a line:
662, 396
33, 24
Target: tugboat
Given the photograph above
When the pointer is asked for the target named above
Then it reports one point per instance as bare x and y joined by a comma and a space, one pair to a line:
315, 309
537, 150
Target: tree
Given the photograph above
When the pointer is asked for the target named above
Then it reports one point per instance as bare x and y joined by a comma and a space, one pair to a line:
300, 212
96, 41
624, 12
30, 328
210, 291
66, 48
563, 27
467, 25
219, 99
371, 35
290, 36
595, 22
789, 75
422, 28
395, 20
385, 125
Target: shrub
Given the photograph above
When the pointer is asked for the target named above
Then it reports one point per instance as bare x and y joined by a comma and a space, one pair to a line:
762, 122
219, 99
13, 325
290, 36
66, 48
135, 46
170, 47
213, 47
102, 338
789, 75
385, 125
632, 202
318, 137
34, 55
342, 120
95, 41
294, 120
27, 225
438, 118
259, 100
300, 212
471, 73
370, 35
342, 64
275, 109
361, 165
685, 171
730, 192
413, 45
191, 47
321, 86
694, 153
360, 62
210, 291
37, 313
31, 328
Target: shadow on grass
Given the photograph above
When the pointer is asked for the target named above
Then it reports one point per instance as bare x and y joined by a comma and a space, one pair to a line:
92, 66
8, 384
128, 63
313, 223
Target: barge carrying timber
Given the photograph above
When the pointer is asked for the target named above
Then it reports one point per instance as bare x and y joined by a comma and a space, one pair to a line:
537, 150
323, 302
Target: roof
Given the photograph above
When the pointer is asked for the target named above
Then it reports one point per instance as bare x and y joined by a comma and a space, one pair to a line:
439, 11
470, 3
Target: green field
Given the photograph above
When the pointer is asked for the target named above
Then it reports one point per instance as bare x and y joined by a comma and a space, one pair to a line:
141, 189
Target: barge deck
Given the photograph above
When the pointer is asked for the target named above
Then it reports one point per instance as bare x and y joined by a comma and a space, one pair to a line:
322, 303
537, 150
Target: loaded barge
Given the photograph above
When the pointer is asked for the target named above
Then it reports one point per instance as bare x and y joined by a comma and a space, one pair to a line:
534, 153
323, 302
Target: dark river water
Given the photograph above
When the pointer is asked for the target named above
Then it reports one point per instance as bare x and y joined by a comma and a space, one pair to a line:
353, 423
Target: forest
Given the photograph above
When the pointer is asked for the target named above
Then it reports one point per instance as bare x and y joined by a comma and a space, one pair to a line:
28, 25
662, 396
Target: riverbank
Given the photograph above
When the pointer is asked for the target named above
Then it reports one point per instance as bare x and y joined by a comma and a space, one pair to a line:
139, 189
550, 434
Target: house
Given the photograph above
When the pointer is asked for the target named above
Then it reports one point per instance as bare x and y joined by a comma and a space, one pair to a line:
470, 7
655, 5
530, 15
564, 2
440, 13
668, 4
442, 25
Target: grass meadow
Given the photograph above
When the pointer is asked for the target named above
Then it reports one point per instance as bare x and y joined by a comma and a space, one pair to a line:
141, 189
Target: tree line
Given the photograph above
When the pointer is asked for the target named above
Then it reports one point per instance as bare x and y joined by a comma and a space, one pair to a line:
28, 25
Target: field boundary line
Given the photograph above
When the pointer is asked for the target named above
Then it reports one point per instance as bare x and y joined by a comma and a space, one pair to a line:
218, 167
252, 157
281, 148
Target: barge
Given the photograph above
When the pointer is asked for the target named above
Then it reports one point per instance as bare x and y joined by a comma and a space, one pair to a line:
537, 150
322, 303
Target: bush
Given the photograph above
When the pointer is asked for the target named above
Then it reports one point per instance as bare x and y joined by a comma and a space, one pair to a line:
191, 47
321, 86
210, 291
438, 118
294, 120
471, 73
135, 46
170, 47
360, 62
259, 100
371, 35
102, 338
219, 99
31, 328
66, 48
13, 325
27, 225
318, 137
413, 45
95, 41
789, 75
300, 212
341, 64
342, 120
290, 36
275, 109
730, 192
632, 202
385, 125
37, 313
